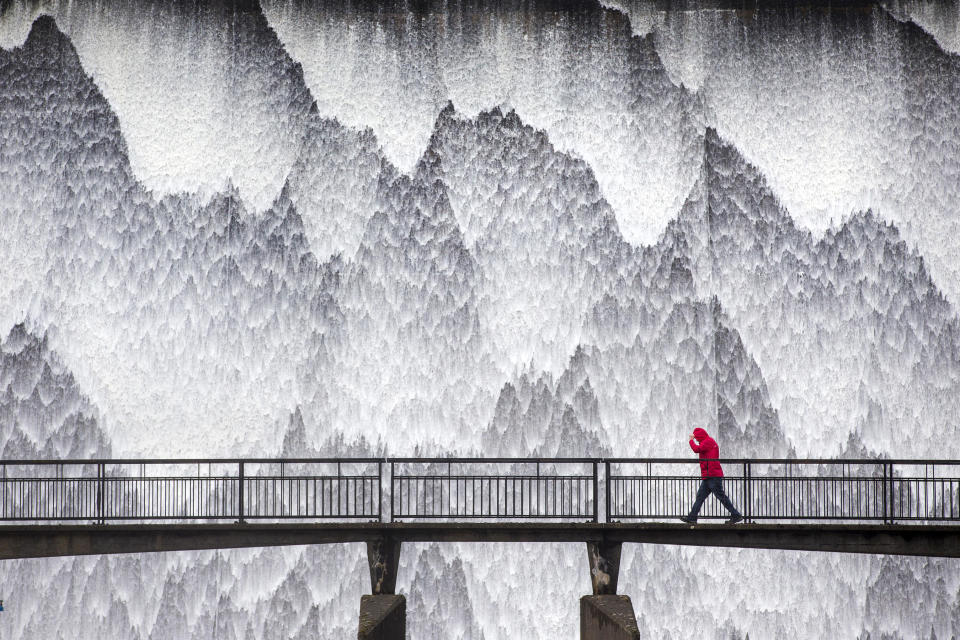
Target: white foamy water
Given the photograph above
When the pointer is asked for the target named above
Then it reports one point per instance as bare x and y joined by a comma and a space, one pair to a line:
522, 231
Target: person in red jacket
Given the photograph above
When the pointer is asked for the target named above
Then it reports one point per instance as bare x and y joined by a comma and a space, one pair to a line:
712, 474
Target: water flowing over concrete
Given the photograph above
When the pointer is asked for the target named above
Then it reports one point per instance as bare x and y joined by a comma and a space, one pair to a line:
507, 228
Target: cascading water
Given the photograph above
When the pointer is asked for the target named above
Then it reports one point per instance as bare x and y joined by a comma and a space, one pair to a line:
516, 229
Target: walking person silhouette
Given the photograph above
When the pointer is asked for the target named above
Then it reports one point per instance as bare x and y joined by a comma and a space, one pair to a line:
712, 477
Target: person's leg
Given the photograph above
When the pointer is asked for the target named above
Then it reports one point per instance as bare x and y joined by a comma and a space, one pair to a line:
717, 489
702, 494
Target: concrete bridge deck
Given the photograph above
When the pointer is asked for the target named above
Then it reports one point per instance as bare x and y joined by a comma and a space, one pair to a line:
33, 541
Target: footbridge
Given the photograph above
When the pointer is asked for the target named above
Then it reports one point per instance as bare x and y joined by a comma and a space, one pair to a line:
78, 507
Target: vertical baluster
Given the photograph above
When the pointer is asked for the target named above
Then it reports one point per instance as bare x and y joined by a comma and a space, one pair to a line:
560, 481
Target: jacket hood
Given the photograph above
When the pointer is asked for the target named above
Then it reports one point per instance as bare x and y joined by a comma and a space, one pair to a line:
699, 433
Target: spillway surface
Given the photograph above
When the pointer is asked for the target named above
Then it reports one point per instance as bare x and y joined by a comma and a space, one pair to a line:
505, 228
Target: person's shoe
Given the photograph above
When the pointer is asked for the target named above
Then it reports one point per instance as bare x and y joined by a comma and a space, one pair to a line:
735, 519
688, 519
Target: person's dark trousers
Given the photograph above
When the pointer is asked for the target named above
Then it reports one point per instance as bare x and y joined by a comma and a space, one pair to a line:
714, 486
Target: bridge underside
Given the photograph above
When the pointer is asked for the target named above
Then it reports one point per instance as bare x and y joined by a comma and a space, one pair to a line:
26, 541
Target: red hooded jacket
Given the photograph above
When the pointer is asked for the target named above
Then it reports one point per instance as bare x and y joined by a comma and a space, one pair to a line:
707, 448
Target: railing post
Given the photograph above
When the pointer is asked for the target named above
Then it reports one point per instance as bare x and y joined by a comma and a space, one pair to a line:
340, 492
100, 481
606, 489
380, 491
393, 489
596, 493
746, 490
890, 482
240, 519
884, 493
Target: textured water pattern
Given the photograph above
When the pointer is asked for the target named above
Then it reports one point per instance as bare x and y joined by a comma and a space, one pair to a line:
515, 229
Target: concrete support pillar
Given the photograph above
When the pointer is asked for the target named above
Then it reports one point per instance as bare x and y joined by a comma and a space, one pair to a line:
605, 615
383, 556
383, 615
604, 558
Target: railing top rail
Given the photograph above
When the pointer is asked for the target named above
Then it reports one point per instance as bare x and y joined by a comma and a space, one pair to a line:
462, 460
409, 460
689, 459
88, 461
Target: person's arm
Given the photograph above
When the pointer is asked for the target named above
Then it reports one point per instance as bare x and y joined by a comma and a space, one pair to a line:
696, 447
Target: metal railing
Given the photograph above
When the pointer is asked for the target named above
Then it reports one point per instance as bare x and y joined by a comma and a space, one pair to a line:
196, 489
473, 489
789, 490
494, 488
